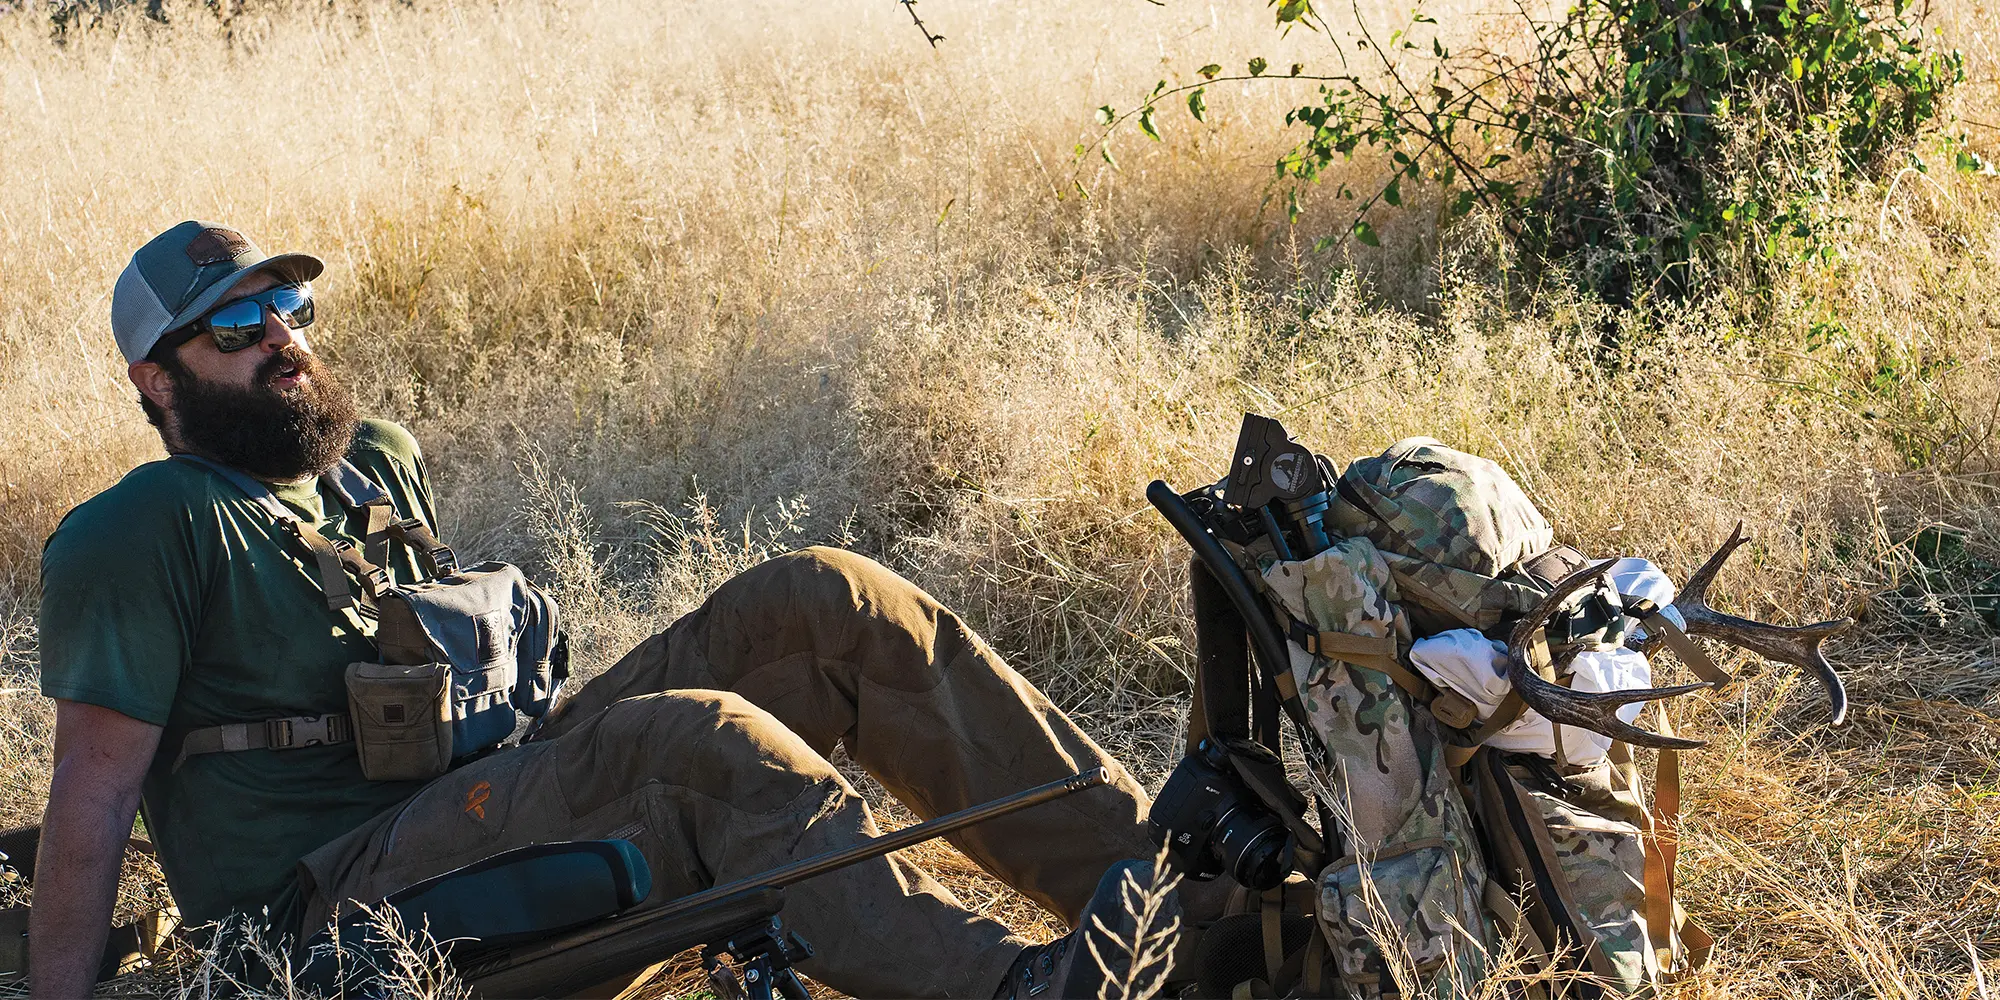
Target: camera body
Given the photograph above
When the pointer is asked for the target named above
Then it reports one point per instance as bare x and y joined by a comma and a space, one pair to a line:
1215, 823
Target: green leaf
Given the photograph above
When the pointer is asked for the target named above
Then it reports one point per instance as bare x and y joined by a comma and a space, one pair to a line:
1797, 69
1197, 105
1146, 124
1258, 66
1323, 244
1366, 233
1292, 10
1209, 71
1393, 194
1106, 116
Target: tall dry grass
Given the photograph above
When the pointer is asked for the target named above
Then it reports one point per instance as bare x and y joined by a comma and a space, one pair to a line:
664, 287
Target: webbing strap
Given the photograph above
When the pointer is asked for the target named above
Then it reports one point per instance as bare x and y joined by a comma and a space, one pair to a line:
1271, 911
1663, 849
1287, 686
271, 734
1377, 653
1315, 963
332, 580
1511, 708
355, 491
375, 532
438, 558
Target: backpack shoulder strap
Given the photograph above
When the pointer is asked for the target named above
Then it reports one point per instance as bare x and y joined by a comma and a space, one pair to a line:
333, 557
258, 493
358, 492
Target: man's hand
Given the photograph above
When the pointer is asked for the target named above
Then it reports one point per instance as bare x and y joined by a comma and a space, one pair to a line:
101, 758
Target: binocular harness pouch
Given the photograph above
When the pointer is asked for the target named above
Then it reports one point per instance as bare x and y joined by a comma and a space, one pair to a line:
462, 653
402, 719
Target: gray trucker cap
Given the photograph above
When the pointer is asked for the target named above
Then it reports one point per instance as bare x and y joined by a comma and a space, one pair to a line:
181, 274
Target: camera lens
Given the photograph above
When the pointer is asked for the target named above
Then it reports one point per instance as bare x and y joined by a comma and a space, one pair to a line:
1254, 848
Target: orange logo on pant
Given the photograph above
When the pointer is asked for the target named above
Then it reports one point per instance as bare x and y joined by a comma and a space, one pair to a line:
476, 796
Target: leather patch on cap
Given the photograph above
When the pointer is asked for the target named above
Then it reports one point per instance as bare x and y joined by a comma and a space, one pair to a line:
216, 246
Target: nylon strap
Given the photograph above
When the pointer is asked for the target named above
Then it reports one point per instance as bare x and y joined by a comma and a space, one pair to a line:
356, 492
1287, 686
1377, 653
1271, 912
437, 557
271, 734
332, 579
375, 532
1663, 849
1315, 964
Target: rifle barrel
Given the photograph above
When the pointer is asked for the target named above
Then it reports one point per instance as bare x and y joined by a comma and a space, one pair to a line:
820, 864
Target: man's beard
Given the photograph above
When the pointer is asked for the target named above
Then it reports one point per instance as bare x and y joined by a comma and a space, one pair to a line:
273, 434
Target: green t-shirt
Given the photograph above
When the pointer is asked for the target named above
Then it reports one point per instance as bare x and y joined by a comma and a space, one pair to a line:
173, 598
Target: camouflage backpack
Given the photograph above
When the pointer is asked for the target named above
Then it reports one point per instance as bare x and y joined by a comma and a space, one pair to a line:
1442, 853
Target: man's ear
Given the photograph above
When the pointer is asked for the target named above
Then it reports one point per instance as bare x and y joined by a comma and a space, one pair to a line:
153, 382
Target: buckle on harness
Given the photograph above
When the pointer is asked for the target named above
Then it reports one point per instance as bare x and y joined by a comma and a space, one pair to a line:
312, 730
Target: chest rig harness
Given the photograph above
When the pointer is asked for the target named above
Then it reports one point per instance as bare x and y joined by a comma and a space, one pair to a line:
460, 653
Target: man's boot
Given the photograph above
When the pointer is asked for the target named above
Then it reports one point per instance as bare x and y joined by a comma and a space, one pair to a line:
1127, 913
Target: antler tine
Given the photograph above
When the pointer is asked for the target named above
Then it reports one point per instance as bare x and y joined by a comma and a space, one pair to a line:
1799, 646
1696, 588
1596, 711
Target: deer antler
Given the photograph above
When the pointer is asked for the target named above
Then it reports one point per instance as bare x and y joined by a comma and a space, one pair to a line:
1596, 711
1797, 646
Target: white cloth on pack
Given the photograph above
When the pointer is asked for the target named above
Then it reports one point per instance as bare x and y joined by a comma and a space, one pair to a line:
1474, 666
1640, 578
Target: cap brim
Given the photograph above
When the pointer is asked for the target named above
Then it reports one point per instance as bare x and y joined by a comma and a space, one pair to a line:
289, 266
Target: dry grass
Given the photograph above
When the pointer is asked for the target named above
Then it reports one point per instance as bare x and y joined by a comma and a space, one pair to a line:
666, 286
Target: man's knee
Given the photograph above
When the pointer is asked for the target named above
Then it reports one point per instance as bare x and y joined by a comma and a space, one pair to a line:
841, 605
712, 743
823, 579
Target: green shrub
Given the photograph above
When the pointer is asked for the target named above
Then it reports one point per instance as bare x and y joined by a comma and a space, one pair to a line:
1642, 142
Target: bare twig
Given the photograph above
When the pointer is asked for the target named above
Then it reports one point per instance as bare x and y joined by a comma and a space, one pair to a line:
911, 6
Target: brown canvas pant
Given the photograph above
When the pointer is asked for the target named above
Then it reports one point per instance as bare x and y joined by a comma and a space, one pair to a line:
706, 747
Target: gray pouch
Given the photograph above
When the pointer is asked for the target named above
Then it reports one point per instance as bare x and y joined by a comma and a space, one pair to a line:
402, 719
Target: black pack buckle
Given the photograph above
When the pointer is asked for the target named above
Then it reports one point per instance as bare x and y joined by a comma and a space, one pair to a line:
1591, 617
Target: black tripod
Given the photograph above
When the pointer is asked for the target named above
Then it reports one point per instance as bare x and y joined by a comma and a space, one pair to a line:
765, 953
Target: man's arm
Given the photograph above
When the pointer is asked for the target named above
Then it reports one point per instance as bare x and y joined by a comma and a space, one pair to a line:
101, 759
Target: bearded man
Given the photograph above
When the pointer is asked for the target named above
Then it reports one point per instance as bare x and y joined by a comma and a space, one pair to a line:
175, 608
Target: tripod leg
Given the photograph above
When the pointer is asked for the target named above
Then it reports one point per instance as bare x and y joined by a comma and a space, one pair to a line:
789, 986
757, 978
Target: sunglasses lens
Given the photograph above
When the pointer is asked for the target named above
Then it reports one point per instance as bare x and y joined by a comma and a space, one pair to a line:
237, 325
294, 305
